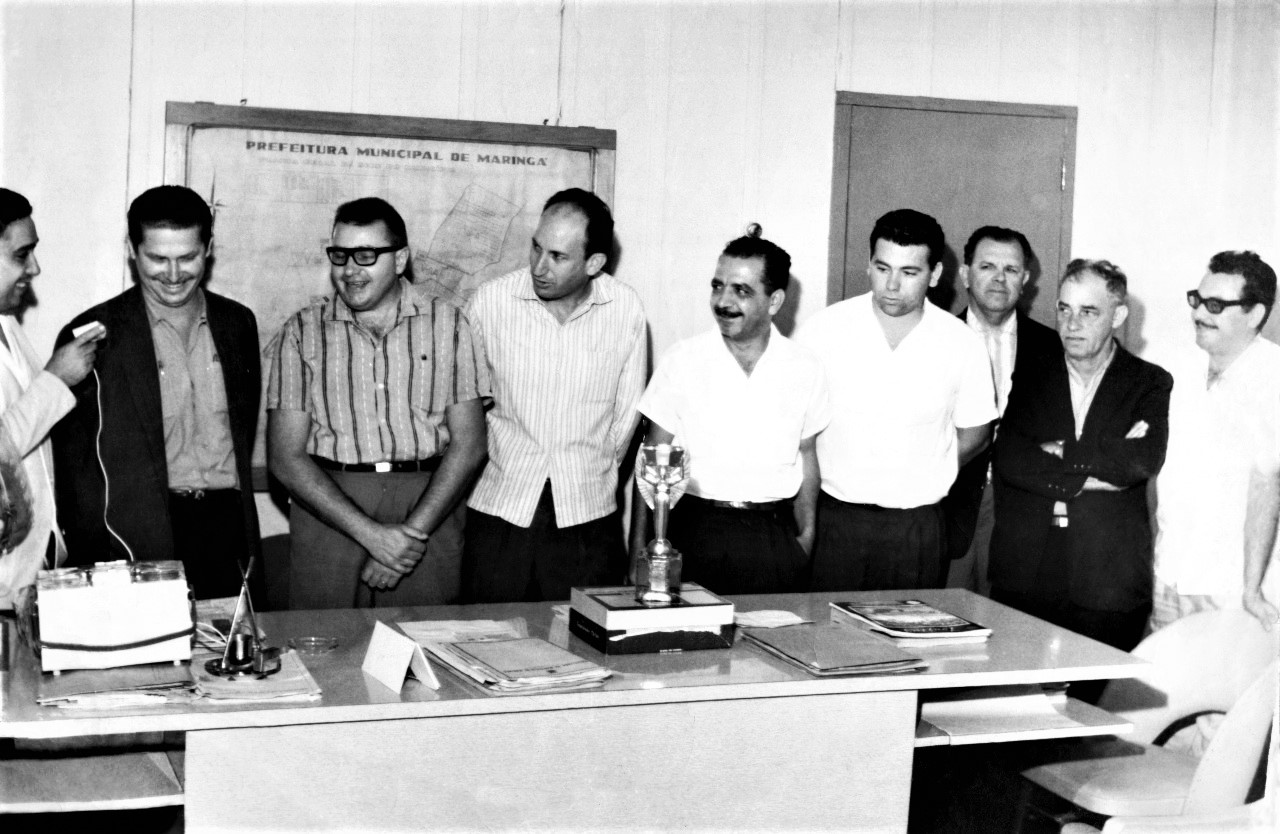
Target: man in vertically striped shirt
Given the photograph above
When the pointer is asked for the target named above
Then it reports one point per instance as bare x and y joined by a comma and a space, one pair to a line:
376, 426
566, 348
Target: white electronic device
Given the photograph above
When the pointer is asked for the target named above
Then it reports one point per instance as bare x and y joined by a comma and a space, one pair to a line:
112, 614
85, 328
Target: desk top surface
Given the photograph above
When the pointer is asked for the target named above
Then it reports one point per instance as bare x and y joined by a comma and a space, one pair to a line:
1022, 649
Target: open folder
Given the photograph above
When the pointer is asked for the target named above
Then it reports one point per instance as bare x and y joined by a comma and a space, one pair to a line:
833, 649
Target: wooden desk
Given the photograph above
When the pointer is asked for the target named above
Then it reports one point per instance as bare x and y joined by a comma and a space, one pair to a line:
728, 740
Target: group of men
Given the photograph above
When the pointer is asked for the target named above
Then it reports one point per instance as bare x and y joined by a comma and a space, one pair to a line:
858, 457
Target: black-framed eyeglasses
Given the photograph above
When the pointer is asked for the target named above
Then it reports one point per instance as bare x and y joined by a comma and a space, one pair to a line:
362, 255
1214, 305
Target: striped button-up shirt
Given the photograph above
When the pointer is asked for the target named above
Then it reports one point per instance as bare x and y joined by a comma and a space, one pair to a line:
564, 397
376, 399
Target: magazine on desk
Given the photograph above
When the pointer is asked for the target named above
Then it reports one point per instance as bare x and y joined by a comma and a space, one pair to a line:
911, 622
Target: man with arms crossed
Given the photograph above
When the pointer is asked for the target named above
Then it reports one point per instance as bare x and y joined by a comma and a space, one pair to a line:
747, 404
172, 412
1077, 445
31, 399
376, 426
997, 265
566, 348
911, 399
1224, 432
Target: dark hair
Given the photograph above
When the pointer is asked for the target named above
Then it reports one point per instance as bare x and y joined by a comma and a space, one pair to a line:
999, 234
908, 227
1259, 278
777, 263
1117, 283
13, 207
169, 207
599, 218
369, 210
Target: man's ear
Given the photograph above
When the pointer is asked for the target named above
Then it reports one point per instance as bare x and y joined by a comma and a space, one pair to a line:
208, 249
1255, 314
595, 263
964, 275
402, 260
776, 299
1119, 316
935, 274
128, 246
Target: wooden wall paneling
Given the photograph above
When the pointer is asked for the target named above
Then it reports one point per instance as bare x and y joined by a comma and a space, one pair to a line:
516, 58
1039, 58
893, 47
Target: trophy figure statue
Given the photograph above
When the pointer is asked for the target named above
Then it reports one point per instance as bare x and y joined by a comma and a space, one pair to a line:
661, 472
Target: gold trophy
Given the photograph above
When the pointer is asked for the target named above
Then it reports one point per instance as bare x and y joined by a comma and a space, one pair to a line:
661, 473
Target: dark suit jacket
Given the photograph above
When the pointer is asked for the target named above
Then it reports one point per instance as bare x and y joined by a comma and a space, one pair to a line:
1107, 544
1037, 347
133, 431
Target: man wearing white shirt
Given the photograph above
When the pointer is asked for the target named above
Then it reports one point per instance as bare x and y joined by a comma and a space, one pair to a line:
746, 403
912, 399
566, 347
1224, 452
31, 400
997, 266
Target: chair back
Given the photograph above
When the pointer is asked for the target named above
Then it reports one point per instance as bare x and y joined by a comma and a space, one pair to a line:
1228, 766
1201, 663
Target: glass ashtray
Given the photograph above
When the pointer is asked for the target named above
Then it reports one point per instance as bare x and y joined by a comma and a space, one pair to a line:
313, 645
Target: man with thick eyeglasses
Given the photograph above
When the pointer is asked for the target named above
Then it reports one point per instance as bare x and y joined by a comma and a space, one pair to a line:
155, 461
376, 425
1216, 517
1076, 448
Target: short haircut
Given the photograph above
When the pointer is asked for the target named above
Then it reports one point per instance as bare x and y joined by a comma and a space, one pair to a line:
1117, 283
908, 227
599, 218
777, 263
13, 207
369, 210
1259, 278
1000, 235
169, 207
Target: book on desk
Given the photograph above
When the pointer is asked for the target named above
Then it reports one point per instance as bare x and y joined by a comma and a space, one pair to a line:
835, 649
910, 623
612, 621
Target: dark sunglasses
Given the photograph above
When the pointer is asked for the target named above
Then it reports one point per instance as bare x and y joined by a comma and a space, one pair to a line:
363, 256
1214, 305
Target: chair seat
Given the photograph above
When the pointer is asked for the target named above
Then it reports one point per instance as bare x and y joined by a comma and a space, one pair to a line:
1120, 778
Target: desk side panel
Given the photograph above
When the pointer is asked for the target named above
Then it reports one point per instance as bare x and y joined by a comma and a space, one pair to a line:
822, 762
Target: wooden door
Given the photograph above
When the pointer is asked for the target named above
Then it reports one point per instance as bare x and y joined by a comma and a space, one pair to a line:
967, 163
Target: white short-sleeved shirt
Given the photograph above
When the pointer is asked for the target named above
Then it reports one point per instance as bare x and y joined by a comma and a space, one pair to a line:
1217, 437
892, 437
742, 433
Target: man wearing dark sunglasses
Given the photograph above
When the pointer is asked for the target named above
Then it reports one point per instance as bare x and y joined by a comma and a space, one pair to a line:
1216, 516
376, 426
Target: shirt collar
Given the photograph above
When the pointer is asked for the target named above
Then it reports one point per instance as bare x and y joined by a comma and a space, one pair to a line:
173, 316
412, 302
599, 292
980, 324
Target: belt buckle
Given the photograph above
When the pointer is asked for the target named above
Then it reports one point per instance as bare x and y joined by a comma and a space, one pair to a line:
382, 466
1060, 521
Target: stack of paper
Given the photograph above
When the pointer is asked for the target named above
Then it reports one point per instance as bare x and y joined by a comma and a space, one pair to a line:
499, 657
833, 650
910, 622
292, 683
124, 687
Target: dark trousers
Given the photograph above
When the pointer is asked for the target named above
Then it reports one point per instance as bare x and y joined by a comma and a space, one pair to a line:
505, 563
733, 551
325, 563
209, 539
862, 547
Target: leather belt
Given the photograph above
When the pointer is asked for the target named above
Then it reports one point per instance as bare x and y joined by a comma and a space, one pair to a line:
200, 494
755, 506
424, 465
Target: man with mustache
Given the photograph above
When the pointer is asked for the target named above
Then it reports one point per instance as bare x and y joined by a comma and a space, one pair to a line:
375, 422
997, 266
154, 462
912, 400
31, 401
1212, 551
1076, 448
747, 404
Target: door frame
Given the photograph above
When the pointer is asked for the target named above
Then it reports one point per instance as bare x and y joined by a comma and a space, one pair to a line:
837, 267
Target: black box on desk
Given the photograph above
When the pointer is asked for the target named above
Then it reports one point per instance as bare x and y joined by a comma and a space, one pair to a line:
649, 641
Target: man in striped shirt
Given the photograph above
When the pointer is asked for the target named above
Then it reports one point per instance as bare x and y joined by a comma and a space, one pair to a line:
566, 348
376, 426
